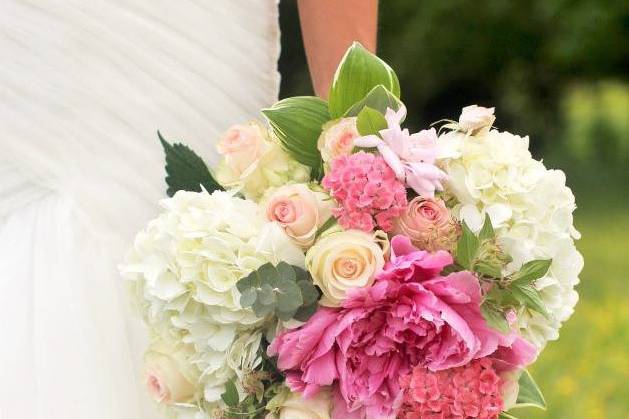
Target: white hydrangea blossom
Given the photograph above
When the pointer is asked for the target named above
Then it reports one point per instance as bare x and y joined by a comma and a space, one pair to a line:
531, 208
183, 269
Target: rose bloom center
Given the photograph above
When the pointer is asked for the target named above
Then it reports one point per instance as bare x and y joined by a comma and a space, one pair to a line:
348, 267
428, 212
285, 212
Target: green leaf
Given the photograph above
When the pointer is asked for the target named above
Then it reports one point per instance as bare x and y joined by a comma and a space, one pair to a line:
529, 297
185, 170
286, 271
262, 310
529, 395
379, 98
370, 121
309, 292
488, 269
487, 231
248, 297
330, 222
297, 123
467, 248
358, 73
230, 396
531, 271
494, 317
305, 312
266, 296
268, 274
289, 299
506, 415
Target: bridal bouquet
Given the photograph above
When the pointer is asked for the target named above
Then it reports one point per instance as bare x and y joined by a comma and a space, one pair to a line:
336, 265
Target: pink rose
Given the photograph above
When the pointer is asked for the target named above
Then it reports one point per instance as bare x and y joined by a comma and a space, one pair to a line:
383, 331
337, 138
242, 146
300, 211
166, 379
429, 225
475, 119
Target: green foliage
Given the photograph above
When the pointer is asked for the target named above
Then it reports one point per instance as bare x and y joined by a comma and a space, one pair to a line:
379, 98
531, 271
283, 290
329, 223
230, 396
297, 123
494, 316
370, 121
467, 248
529, 394
185, 170
481, 254
358, 73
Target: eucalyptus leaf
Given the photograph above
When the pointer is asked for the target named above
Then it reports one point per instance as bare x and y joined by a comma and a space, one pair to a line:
309, 292
268, 274
289, 297
286, 271
297, 123
370, 121
230, 396
305, 312
248, 297
248, 281
530, 394
262, 310
467, 248
379, 98
531, 271
266, 295
358, 73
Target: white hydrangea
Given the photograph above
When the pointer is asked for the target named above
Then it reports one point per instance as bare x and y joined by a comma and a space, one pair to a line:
184, 267
531, 208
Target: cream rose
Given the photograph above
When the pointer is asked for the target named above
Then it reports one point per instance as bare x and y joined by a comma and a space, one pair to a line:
242, 146
476, 119
296, 407
429, 225
337, 138
170, 378
342, 260
253, 161
300, 211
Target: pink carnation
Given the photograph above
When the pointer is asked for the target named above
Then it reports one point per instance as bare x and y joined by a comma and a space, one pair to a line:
471, 391
416, 318
367, 190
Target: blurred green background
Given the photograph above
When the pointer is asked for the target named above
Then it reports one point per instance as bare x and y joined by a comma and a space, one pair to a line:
557, 70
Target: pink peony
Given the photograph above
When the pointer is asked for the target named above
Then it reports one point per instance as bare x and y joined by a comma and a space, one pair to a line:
409, 318
367, 190
471, 391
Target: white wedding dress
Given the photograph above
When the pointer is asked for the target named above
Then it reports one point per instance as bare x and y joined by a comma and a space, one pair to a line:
84, 86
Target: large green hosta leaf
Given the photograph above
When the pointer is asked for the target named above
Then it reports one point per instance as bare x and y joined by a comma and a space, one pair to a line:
358, 73
297, 122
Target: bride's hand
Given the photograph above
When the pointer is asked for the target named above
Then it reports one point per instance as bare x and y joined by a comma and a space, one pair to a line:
328, 28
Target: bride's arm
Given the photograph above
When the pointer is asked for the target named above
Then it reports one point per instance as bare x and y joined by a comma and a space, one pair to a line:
328, 28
